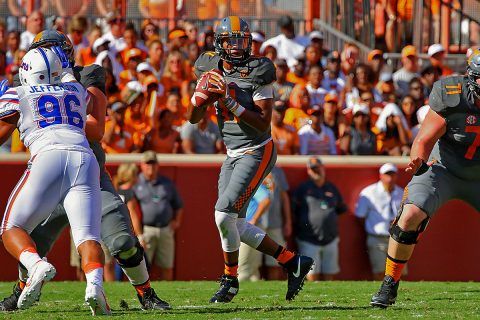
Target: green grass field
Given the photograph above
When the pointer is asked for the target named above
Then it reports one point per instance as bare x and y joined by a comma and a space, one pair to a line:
263, 300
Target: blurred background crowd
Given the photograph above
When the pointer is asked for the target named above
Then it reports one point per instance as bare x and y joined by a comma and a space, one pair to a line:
336, 93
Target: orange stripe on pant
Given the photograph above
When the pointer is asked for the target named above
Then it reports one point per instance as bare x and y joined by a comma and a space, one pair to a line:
13, 197
267, 156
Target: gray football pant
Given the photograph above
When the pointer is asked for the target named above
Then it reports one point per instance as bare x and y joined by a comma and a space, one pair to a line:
241, 176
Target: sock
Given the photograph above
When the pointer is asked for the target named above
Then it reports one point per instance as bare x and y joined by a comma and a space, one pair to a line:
231, 270
29, 257
394, 268
94, 273
137, 275
283, 255
142, 287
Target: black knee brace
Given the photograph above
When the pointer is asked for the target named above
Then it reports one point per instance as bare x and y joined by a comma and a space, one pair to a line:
134, 260
407, 237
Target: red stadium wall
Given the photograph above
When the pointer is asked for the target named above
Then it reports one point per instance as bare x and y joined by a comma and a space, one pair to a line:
446, 251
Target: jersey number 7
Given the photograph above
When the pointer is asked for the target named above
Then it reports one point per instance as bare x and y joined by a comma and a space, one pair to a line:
53, 110
475, 144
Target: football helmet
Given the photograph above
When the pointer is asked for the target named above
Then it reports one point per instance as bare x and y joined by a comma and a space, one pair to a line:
40, 66
473, 73
48, 38
236, 33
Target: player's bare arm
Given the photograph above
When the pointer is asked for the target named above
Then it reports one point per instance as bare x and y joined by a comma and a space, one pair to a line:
195, 114
95, 125
432, 129
6, 129
259, 120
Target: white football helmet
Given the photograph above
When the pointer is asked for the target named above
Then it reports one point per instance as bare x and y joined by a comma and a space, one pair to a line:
40, 66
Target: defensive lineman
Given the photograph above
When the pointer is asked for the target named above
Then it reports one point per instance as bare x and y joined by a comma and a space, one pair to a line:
244, 113
116, 230
51, 116
448, 140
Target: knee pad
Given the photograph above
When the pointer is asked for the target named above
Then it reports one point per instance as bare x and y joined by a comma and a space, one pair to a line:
250, 234
131, 257
120, 243
227, 227
407, 237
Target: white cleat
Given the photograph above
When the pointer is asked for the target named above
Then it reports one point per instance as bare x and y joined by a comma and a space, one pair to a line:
96, 300
42, 272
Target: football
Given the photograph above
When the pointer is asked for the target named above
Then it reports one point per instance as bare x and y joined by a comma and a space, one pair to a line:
201, 96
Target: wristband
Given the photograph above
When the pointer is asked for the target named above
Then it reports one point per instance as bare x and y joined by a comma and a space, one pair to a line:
234, 107
422, 169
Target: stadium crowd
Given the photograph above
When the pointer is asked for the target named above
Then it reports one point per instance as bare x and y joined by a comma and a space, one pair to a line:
326, 102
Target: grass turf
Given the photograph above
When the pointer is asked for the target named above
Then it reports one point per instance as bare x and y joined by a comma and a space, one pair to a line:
262, 300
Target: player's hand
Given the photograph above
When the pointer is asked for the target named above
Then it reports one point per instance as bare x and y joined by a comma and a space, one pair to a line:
418, 166
4, 86
220, 86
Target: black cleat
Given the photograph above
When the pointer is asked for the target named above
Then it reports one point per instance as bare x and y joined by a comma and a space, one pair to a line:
10, 302
387, 294
228, 289
150, 301
297, 269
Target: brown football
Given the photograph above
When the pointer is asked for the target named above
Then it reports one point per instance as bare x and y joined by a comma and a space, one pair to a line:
203, 97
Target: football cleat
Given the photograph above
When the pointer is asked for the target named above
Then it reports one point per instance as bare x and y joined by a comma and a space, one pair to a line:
150, 301
10, 303
297, 269
41, 273
96, 300
228, 289
387, 294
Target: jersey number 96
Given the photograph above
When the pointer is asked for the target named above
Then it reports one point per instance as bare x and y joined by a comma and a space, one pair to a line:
52, 111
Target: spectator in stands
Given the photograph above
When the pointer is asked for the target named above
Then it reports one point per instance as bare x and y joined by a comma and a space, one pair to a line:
192, 32
359, 139
118, 137
193, 52
392, 132
174, 104
349, 57
417, 92
376, 208
177, 40
270, 52
296, 116
386, 88
436, 52
35, 22
156, 10
257, 39
19, 12
429, 75
124, 181
163, 138
361, 81
148, 32
315, 137
281, 87
333, 77
288, 45
421, 114
162, 210
277, 220
284, 136
131, 42
133, 96
155, 57
376, 63
70, 8
298, 75
409, 111
316, 204
202, 137
206, 39
13, 44
316, 40
174, 74
111, 89
332, 117
115, 35
76, 30
312, 57
402, 77
250, 259
86, 56
132, 57
314, 85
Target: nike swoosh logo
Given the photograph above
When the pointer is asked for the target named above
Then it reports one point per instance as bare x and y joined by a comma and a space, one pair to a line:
297, 274
205, 86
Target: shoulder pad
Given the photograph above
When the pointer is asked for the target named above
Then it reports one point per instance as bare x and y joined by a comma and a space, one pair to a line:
91, 76
207, 61
446, 93
262, 70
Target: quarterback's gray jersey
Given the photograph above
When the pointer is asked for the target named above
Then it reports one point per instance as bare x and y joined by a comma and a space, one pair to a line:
457, 149
244, 79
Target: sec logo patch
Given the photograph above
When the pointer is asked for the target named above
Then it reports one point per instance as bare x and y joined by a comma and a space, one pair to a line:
471, 119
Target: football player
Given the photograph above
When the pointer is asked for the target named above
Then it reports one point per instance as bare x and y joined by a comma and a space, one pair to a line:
50, 116
445, 163
116, 230
244, 113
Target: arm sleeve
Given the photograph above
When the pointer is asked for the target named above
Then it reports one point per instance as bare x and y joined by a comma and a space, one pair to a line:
263, 92
9, 104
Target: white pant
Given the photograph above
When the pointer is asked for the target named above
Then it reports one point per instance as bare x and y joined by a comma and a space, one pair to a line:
52, 177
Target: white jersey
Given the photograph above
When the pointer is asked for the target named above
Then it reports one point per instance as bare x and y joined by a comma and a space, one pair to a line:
51, 116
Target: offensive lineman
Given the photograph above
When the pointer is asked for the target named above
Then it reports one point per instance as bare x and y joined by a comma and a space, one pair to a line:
244, 113
448, 140
116, 230
50, 116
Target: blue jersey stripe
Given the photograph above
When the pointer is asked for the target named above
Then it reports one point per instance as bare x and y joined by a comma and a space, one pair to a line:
7, 113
